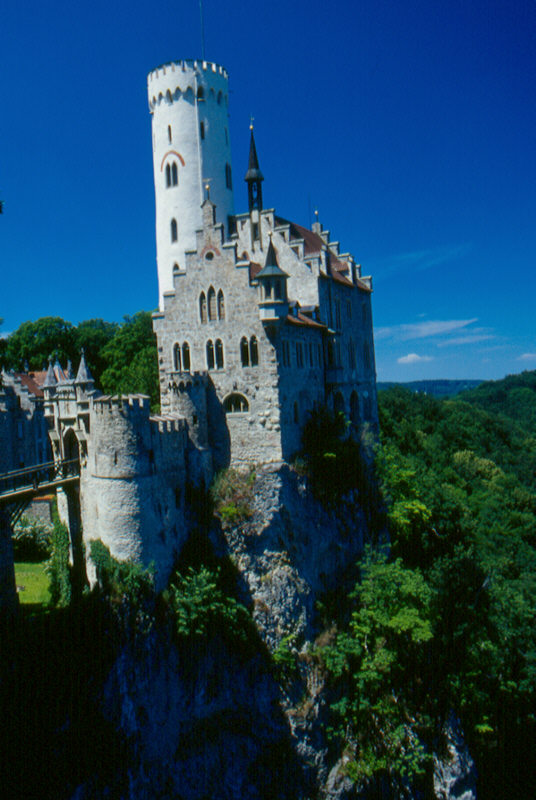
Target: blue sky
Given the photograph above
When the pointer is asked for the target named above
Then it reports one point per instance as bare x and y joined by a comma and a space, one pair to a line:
411, 126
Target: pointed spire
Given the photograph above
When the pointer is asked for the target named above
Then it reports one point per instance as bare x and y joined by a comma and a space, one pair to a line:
83, 375
254, 177
271, 266
50, 379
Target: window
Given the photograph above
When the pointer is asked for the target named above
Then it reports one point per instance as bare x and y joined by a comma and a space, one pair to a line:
219, 354
200, 93
211, 304
177, 366
228, 176
226, 136
210, 355
168, 175
366, 356
253, 351
174, 231
219, 98
221, 305
174, 174
338, 314
202, 129
235, 404
338, 402
299, 354
169, 133
351, 354
348, 309
186, 357
203, 307
311, 355
244, 352
175, 268
296, 414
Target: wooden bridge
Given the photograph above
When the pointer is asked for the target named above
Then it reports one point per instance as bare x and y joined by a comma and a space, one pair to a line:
19, 487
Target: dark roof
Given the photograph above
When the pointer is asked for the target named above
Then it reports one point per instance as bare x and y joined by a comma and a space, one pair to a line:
271, 267
254, 270
83, 375
254, 173
301, 319
33, 381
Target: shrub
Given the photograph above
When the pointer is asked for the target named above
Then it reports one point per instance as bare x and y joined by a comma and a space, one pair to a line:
57, 566
31, 540
232, 495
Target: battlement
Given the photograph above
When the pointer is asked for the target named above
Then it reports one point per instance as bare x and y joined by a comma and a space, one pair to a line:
202, 79
181, 381
166, 423
125, 404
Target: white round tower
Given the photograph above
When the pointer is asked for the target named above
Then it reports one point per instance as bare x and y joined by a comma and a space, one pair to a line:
188, 101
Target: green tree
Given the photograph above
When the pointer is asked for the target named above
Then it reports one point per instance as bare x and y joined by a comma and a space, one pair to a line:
92, 336
34, 342
131, 359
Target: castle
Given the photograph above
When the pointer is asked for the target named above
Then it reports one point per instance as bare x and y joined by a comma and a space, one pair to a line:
260, 320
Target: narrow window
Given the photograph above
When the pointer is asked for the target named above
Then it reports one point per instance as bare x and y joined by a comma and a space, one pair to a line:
296, 414
186, 357
177, 357
351, 354
200, 93
226, 136
311, 355
168, 175
228, 176
219, 354
221, 305
169, 133
210, 355
254, 351
331, 354
219, 98
354, 408
202, 129
278, 292
211, 304
174, 174
203, 307
244, 352
174, 233
338, 314
268, 288
255, 231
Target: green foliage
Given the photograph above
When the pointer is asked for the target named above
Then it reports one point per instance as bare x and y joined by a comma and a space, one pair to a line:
57, 566
460, 485
201, 609
35, 342
232, 495
333, 459
31, 540
131, 358
379, 664
92, 336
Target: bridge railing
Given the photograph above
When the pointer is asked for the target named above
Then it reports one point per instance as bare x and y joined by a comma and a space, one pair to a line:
33, 477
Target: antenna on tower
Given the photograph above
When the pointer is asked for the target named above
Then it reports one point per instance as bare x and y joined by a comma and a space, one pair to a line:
202, 30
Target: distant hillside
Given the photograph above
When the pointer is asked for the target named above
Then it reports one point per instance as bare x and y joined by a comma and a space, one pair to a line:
513, 396
437, 388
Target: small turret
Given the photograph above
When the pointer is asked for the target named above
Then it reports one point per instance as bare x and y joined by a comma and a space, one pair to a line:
254, 177
272, 280
83, 376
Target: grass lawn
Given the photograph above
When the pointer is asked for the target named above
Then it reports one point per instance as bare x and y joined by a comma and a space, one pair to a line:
32, 583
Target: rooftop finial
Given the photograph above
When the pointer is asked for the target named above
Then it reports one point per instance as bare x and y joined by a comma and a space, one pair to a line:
251, 118
254, 176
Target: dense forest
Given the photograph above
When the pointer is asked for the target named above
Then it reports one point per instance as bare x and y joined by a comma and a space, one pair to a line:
441, 623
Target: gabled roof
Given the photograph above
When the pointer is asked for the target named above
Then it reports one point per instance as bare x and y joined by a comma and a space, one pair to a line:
33, 381
301, 319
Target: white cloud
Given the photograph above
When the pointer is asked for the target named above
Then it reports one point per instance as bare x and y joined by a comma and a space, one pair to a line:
413, 358
418, 260
469, 339
422, 330
527, 357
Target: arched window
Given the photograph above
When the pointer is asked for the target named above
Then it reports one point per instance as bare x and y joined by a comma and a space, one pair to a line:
244, 352
354, 408
174, 174
177, 358
219, 354
235, 404
202, 129
176, 268
211, 304
169, 133
168, 175
221, 305
200, 93
228, 176
203, 307
174, 232
219, 98
186, 357
210, 354
253, 351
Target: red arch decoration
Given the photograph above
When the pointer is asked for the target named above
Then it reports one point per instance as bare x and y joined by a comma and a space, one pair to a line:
172, 153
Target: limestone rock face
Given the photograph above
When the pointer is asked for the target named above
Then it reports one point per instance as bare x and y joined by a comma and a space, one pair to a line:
454, 773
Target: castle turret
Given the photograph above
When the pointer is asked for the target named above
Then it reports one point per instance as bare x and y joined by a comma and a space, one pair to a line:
188, 101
